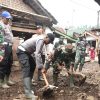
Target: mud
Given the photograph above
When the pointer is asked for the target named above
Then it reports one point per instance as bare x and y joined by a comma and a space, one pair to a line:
90, 90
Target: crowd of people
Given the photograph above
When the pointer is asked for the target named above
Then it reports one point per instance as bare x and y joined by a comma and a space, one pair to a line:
33, 53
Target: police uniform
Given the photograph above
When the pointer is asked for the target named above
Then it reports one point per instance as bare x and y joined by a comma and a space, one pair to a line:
5, 65
24, 52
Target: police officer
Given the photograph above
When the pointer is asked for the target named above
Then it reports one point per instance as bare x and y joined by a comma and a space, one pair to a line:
30, 46
40, 32
80, 52
5, 65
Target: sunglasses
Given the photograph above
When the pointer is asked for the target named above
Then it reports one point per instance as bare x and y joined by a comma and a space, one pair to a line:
8, 19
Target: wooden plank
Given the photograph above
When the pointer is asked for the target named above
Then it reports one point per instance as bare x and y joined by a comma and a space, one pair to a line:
29, 13
23, 30
89, 33
24, 25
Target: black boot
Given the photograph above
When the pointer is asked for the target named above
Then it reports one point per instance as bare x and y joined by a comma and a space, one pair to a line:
55, 79
71, 80
9, 82
80, 68
1, 82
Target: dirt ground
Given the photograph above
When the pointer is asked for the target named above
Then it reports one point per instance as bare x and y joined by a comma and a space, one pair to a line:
90, 90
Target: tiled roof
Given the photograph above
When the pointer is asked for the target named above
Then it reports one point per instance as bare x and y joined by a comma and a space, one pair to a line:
29, 7
37, 6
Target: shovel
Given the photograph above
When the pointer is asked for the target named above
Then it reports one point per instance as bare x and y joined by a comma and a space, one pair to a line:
48, 89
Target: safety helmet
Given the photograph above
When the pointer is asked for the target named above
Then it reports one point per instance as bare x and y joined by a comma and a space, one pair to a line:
6, 14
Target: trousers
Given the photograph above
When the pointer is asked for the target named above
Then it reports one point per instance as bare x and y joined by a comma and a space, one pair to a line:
6, 64
28, 64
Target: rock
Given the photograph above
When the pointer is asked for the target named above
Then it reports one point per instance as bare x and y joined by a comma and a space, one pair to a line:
61, 91
81, 96
79, 78
97, 75
20, 97
64, 72
55, 92
90, 98
71, 92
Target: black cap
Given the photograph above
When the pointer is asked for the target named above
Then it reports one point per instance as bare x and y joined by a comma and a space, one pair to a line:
51, 36
39, 26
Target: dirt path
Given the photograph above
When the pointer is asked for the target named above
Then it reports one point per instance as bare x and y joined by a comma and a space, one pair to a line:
90, 90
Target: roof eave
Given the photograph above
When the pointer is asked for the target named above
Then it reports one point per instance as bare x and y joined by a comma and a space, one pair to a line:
98, 1
36, 17
36, 5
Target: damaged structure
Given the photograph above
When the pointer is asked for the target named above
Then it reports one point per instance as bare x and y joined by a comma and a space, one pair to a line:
26, 15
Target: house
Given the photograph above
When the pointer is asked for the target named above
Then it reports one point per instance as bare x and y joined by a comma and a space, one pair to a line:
27, 14
92, 37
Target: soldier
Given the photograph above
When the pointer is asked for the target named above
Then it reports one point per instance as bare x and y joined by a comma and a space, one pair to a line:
80, 52
63, 57
57, 61
30, 46
69, 60
5, 65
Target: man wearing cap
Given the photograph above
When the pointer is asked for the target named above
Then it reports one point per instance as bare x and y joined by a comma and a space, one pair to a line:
5, 65
40, 32
30, 46
80, 52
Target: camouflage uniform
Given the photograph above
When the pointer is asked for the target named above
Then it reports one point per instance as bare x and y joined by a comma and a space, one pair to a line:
69, 57
2, 47
80, 53
57, 60
62, 57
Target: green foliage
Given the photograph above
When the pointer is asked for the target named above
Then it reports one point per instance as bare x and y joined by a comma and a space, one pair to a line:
79, 30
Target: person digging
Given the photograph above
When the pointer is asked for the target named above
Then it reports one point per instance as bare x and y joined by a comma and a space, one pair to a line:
24, 51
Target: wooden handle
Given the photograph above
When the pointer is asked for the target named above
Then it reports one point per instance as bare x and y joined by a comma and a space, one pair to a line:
45, 79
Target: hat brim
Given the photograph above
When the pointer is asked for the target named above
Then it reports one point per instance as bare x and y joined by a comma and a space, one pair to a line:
9, 17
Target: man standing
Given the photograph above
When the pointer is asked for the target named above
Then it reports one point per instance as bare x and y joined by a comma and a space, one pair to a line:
30, 46
80, 53
5, 65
